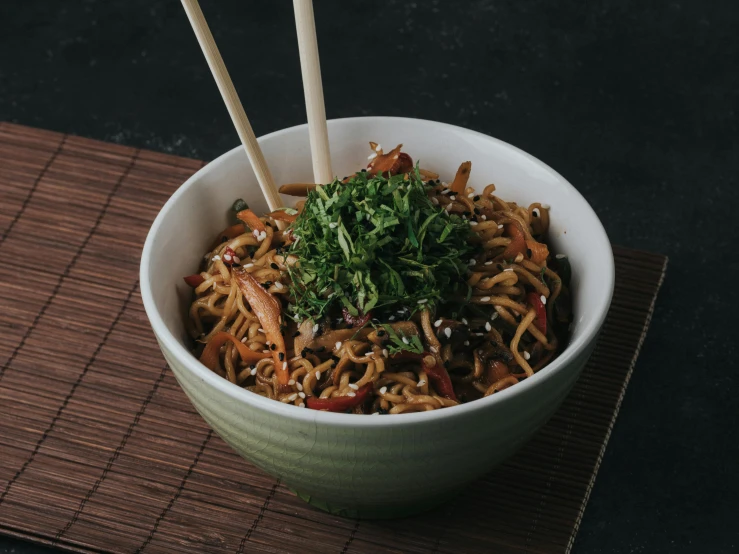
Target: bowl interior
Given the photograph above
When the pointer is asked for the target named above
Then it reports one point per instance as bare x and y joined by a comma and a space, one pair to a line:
200, 209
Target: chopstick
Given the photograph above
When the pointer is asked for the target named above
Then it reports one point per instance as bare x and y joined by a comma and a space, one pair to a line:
310, 67
233, 104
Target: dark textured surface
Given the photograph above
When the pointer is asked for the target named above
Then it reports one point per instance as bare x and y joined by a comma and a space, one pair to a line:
633, 102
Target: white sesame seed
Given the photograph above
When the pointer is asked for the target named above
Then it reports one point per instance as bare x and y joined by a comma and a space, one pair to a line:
448, 207
489, 262
367, 354
318, 375
227, 257
471, 195
484, 217
434, 201
466, 343
508, 269
452, 197
337, 345
247, 266
292, 397
300, 387
375, 413
284, 365
391, 318
262, 331
291, 382
301, 405
433, 349
353, 386
265, 351
422, 301
485, 299
543, 299
479, 334
301, 394
488, 326
494, 316
546, 206
383, 390
372, 156
473, 223
560, 256
448, 332
500, 226
279, 285
421, 383
215, 258
378, 147
385, 353
437, 323
315, 328
405, 340
352, 393
333, 225
472, 261
244, 340
464, 321
526, 355
253, 371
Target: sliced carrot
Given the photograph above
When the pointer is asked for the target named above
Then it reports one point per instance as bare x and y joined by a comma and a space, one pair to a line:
518, 240
461, 178
539, 251
267, 308
210, 357
252, 220
297, 189
281, 215
227, 234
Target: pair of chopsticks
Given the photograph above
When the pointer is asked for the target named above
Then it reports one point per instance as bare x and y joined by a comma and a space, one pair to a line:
311, 70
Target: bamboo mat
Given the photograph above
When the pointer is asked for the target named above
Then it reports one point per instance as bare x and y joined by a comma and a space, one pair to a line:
100, 451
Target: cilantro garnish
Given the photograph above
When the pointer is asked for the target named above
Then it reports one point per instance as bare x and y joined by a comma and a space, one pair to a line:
376, 243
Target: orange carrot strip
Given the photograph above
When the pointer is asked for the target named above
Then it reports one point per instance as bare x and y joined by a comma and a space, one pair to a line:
461, 178
281, 215
539, 251
210, 357
252, 220
518, 240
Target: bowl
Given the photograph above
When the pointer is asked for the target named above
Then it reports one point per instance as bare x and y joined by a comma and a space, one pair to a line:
364, 466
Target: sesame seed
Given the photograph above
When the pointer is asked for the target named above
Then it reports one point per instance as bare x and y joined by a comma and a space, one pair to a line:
383, 390
391, 318
315, 328
494, 316
318, 375
372, 156
291, 382
337, 345
375, 413
473, 223
405, 340
378, 148
300, 387
247, 266
464, 321
437, 323
434, 201
352, 393
448, 207
485, 299
422, 301
543, 299
293, 397
452, 197
472, 261
301, 405
560, 256
227, 257
215, 258
489, 262
237, 260
546, 206
284, 365
500, 226
479, 334
253, 371
488, 327
483, 217
279, 285
353, 386
385, 353
508, 269
466, 343
448, 332
526, 355
433, 349
244, 340
421, 383
301, 394
471, 195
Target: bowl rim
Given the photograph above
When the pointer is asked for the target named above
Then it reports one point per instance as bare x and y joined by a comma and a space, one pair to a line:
206, 376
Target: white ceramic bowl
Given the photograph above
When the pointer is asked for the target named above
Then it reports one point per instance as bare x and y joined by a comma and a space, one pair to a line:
361, 465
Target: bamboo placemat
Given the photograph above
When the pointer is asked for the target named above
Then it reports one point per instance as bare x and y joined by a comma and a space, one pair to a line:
100, 451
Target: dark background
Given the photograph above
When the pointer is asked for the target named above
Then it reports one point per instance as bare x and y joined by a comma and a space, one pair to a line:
633, 101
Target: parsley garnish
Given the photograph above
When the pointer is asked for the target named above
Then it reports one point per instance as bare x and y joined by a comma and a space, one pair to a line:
376, 243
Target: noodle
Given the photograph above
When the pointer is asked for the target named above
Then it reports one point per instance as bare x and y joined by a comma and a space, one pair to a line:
514, 322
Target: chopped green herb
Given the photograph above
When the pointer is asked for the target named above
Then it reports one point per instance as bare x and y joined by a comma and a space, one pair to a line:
397, 344
376, 243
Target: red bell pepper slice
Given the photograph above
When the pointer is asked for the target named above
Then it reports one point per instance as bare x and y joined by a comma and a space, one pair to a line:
541, 312
194, 280
355, 320
339, 403
439, 379
229, 257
